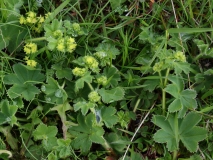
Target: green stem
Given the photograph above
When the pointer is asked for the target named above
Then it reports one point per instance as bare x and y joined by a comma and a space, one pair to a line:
136, 105
163, 91
90, 86
164, 101
174, 155
166, 77
108, 148
176, 129
35, 39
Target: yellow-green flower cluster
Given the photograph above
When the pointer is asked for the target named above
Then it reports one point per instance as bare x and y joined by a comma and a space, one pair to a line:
91, 62
79, 72
31, 62
58, 34
76, 27
33, 21
179, 56
102, 80
30, 48
66, 44
158, 66
94, 97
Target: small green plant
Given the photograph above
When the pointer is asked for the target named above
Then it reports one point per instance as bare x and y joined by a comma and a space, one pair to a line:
105, 80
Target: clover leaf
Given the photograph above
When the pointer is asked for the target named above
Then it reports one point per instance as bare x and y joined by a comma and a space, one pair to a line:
173, 130
23, 80
86, 133
109, 96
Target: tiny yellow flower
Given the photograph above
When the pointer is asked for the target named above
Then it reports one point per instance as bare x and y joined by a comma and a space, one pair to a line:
22, 20
158, 66
37, 28
47, 15
180, 56
94, 97
102, 80
71, 48
70, 40
40, 19
31, 14
91, 62
30, 48
31, 63
26, 58
76, 27
31, 20
60, 47
79, 71
58, 34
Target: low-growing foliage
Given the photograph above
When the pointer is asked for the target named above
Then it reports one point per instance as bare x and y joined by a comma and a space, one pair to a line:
105, 80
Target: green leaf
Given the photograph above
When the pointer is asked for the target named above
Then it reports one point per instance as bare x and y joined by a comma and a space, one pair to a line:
13, 142
44, 132
181, 66
61, 109
10, 7
106, 52
23, 74
151, 84
80, 82
64, 73
108, 116
117, 142
28, 91
54, 92
112, 76
64, 148
173, 90
23, 81
86, 134
175, 106
51, 156
184, 99
115, 4
7, 114
109, 96
51, 28
83, 106
147, 35
52, 43
124, 118
174, 129
49, 143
